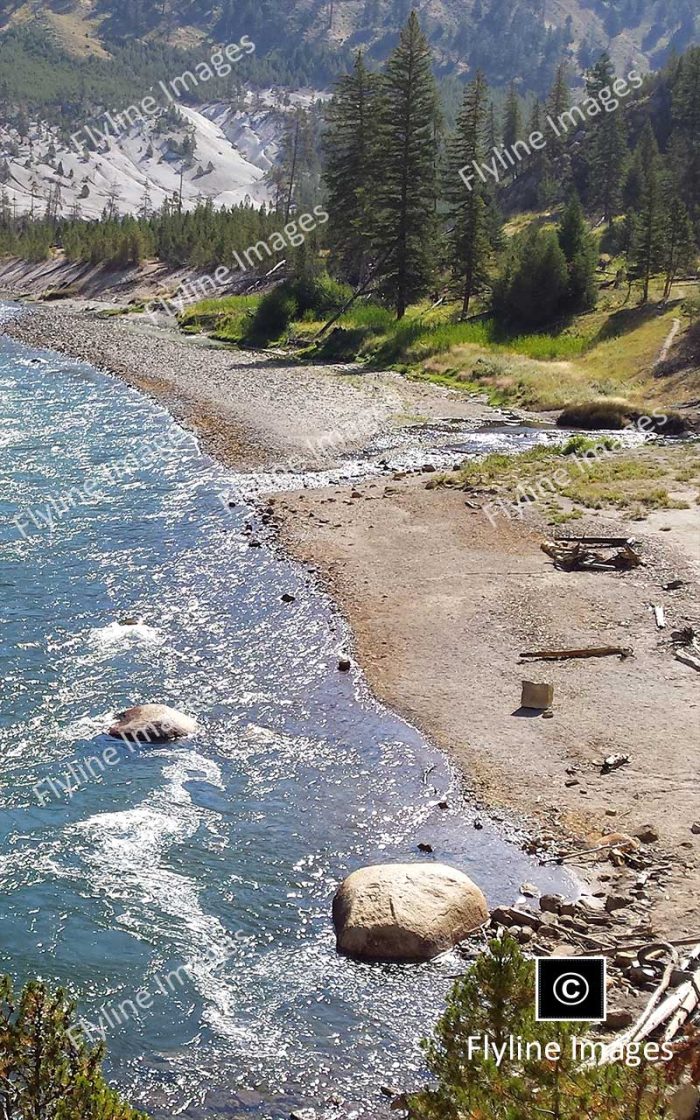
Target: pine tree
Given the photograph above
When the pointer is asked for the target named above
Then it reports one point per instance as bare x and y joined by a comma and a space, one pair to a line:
495, 1002
512, 118
48, 1070
646, 253
579, 248
146, 203
349, 150
559, 99
679, 244
492, 137
470, 238
538, 166
533, 288
558, 102
686, 132
607, 150
405, 228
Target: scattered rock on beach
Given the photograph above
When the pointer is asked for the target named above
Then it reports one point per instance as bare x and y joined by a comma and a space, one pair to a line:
619, 840
618, 1020
551, 903
405, 912
617, 902
648, 834
153, 723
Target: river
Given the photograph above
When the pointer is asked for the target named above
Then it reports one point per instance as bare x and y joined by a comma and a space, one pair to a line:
220, 854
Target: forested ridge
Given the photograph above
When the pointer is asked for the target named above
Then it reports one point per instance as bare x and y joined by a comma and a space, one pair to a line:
309, 42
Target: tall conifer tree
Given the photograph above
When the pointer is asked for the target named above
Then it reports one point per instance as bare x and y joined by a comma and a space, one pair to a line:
406, 161
607, 145
512, 120
685, 141
648, 225
349, 165
470, 238
679, 243
579, 248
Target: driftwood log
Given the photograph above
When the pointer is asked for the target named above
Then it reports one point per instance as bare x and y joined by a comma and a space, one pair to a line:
565, 654
664, 1013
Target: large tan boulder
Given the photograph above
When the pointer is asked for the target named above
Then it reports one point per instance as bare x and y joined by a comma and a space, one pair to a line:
405, 911
152, 723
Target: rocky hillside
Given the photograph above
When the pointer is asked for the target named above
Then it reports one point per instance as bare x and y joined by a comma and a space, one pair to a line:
216, 151
521, 39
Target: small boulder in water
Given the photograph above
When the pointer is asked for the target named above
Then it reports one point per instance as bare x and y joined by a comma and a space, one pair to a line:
152, 723
405, 912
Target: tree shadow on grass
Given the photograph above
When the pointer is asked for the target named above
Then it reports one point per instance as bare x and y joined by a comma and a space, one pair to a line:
627, 319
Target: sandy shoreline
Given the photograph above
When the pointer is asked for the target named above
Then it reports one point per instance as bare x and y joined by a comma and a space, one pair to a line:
441, 602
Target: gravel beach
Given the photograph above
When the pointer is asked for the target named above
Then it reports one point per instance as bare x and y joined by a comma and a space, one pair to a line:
250, 410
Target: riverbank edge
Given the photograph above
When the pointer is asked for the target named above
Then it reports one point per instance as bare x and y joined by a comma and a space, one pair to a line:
32, 329
521, 827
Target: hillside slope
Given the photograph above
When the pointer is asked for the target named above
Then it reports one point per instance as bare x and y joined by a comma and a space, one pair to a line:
229, 152
519, 39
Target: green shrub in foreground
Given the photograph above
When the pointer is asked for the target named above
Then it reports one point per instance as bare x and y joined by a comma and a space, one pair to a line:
47, 1070
496, 997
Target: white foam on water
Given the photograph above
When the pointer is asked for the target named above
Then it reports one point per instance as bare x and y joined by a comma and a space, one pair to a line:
119, 634
127, 857
85, 727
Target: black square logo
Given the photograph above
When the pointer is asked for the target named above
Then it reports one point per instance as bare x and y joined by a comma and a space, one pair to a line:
570, 989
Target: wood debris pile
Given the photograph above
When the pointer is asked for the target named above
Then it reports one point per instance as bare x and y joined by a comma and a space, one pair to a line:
593, 554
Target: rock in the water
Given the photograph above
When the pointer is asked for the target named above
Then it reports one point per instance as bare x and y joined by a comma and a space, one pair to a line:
405, 912
152, 723
344, 664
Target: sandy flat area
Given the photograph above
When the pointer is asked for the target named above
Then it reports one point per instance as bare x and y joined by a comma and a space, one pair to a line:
442, 603
249, 409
